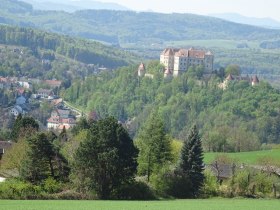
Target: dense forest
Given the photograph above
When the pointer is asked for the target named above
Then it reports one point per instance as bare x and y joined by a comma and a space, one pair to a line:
21, 61
239, 118
85, 51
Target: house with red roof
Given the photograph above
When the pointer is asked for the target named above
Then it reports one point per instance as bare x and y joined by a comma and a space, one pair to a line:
61, 118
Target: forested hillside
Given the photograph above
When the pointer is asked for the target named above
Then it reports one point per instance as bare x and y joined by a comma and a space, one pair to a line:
148, 33
130, 27
239, 118
81, 50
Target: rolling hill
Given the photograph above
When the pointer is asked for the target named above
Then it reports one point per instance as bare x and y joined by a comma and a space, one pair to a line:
74, 5
121, 27
147, 33
40, 45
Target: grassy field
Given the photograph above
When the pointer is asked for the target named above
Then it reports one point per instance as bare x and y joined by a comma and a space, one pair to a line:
207, 204
246, 157
213, 43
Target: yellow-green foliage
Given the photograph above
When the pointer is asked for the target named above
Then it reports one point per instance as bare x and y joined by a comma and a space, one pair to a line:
176, 147
13, 157
210, 187
71, 146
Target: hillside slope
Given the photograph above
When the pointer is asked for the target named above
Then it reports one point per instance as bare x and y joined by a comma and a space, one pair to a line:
85, 51
119, 27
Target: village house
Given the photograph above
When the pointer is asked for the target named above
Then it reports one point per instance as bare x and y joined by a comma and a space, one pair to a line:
25, 84
177, 61
61, 118
45, 93
21, 107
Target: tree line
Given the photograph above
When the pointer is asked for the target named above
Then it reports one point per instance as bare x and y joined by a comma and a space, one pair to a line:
98, 158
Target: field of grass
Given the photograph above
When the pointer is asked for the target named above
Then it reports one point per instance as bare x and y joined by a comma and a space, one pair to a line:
214, 43
206, 204
246, 157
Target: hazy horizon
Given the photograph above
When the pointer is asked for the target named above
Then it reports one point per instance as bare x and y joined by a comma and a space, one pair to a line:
258, 8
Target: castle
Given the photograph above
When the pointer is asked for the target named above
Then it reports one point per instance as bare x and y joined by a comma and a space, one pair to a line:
252, 80
177, 61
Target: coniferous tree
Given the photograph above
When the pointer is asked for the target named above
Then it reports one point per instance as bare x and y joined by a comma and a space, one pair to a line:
37, 165
191, 163
154, 147
106, 159
24, 126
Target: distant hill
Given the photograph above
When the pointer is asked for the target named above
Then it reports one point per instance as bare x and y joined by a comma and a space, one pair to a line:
71, 6
124, 27
85, 51
237, 18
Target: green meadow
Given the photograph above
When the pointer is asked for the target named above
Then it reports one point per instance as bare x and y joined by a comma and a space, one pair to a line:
246, 157
206, 204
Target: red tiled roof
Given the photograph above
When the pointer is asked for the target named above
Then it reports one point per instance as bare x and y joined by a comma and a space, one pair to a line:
230, 77
20, 90
141, 67
54, 120
169, 51
182, 52
196, 53
255, 79
53, 83
67, 120
60, 127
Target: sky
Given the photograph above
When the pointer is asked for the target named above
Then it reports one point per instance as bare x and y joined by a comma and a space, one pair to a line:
251, 8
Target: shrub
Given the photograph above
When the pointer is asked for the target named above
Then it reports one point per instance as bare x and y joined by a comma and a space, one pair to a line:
52, 186
210, 186
242, 182
263, 183
172, 183
135, 190
15, 189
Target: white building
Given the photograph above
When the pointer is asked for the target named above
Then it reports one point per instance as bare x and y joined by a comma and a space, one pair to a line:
16, 110
177, 61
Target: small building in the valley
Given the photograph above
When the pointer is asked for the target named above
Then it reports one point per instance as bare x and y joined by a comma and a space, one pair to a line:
25, 84
21, 106
4, 145
45, 93
61, 118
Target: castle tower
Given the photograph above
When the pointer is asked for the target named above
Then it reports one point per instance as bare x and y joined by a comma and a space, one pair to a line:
255, 80
141, 70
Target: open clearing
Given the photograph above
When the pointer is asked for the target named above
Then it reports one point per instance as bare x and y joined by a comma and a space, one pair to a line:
206, 204
246, 157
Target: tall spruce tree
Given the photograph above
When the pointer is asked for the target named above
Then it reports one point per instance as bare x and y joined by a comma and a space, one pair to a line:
154, 147
191, 162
